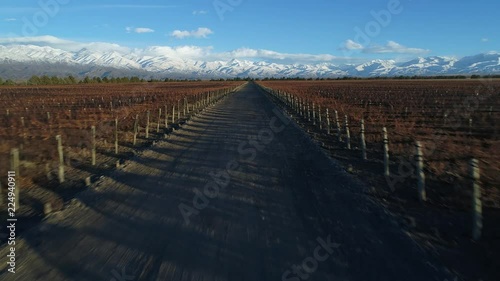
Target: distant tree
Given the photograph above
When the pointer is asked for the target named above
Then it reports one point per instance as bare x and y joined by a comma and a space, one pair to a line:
34, 80
71, 79
9, 82
45, 80
54, 80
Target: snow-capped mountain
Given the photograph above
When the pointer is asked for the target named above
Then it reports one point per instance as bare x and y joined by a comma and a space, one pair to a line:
22, 61
426, 66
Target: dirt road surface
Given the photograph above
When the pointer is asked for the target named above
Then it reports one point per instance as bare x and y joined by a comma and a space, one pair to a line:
239, 193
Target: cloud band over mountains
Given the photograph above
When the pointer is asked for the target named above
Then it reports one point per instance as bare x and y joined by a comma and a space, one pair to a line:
182, 52
391, 47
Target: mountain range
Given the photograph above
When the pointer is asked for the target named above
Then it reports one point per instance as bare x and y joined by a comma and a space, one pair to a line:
23, 61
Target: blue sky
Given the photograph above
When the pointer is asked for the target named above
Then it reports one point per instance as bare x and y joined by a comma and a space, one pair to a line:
314, 30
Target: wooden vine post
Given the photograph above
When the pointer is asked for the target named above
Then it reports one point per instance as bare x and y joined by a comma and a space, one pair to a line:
178, 110
184, 108
14, 167
363, 140
327, 122
477, 208
61, 159
159, 121
314, 114
386, 152
308, 113
304, 109
339, 133
319, 117
93, 143
347, 132
136, 128
173, 114
116, 135
148, 113
419, 158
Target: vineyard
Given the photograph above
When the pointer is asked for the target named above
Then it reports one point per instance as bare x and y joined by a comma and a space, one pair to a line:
93, 122
453, 121
255, 171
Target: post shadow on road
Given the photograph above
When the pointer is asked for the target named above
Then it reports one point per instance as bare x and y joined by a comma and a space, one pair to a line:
183, 246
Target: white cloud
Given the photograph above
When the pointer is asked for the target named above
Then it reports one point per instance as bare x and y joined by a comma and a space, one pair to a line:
200, 12
63, 44
485, 39
394, 47
201, 32
9, 19
208, 54
182, 52
139, 29
180, 34
391, 47
351, 45
143, 30
261, 54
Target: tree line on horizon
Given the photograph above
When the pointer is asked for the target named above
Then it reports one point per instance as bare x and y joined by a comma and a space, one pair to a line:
71, 80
